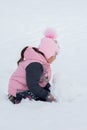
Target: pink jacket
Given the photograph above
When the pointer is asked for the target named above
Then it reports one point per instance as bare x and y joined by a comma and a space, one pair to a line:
17, 81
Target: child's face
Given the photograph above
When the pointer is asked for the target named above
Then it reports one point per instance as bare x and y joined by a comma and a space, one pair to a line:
51, 59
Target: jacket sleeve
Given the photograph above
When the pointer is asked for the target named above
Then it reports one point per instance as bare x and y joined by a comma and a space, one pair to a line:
33, 74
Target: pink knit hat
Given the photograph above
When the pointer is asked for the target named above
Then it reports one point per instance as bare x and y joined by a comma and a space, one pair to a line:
48, 44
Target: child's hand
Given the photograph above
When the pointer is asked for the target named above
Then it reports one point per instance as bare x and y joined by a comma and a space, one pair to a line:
51, 98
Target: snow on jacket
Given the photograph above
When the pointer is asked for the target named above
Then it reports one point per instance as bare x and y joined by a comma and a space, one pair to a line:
18, 83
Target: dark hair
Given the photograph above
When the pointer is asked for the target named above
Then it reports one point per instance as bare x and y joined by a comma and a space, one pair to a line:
22, 53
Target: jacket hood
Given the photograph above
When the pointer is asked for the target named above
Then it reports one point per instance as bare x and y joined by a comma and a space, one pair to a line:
31, 54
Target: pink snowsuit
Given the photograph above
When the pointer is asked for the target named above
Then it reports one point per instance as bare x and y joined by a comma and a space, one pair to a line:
17, 82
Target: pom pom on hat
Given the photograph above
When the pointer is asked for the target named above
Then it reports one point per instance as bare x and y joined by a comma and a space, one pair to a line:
50, 33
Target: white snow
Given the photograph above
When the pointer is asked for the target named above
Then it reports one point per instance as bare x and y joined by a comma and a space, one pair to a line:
22, 23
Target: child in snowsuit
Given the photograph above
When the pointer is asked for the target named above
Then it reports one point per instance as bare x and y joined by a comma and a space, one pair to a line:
32, 76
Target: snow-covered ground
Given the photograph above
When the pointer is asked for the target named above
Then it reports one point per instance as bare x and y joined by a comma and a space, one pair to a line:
22, 22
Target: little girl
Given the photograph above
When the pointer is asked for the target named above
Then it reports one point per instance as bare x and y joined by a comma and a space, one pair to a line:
32, 76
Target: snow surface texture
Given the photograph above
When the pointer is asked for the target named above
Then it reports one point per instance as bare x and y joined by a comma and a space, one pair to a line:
22, 23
